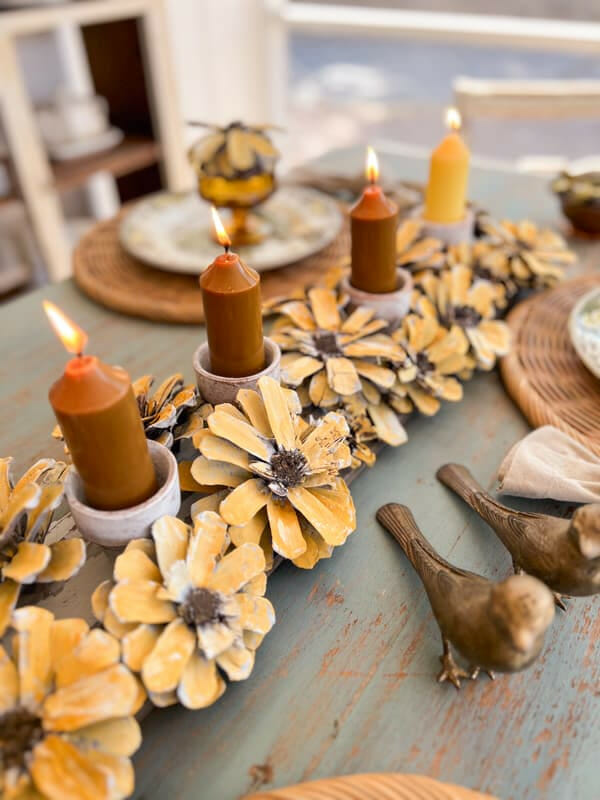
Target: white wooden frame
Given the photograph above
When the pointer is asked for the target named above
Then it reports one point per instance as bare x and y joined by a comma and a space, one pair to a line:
30, 159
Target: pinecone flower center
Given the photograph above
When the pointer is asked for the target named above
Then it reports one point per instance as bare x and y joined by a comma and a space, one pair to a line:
289, 467
465, 316
424, 365
326, 344
201, 607
20, 731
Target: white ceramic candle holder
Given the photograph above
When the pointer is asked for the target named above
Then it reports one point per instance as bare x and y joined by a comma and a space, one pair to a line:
116, 528
218, 389
450, 233
391, 306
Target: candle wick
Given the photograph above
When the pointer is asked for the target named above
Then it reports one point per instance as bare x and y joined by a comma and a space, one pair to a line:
227, 246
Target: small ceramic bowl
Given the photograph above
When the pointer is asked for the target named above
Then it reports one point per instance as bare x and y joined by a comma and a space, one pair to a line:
218, 389
391, 306
450, 233
116, 528
579, 197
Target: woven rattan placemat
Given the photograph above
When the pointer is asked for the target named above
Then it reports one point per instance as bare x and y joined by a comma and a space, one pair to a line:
543, 373
373, 786
109, 275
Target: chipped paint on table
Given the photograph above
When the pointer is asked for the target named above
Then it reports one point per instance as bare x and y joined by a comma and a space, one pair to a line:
345, 682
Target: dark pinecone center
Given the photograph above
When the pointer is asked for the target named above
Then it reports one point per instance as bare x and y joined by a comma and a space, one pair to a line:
288, 467
200, 607
326, 344
465, 316
424, 365
20, 731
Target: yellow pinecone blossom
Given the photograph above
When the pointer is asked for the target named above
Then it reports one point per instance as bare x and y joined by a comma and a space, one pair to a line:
535, 258
434, 357
328, 354
188, 610
283, 473
67, 729
26, 510
457, 298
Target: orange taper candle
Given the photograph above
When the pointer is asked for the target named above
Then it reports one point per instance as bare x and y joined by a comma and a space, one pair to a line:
232, 310
373, 223
100, 421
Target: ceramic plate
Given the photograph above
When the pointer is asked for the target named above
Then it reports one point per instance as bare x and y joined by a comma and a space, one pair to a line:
88, 145
584, 329
173, 231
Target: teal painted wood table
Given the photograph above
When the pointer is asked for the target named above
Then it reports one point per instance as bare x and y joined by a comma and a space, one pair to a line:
345, 682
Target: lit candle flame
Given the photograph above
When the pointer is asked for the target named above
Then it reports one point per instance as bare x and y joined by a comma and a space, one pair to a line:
220, 229
372, 165
453, 120
71, 335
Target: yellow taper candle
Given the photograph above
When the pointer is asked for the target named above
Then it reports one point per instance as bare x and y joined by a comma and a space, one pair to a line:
446, 193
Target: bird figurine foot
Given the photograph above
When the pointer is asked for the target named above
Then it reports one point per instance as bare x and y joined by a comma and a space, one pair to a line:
497, 626
489, 672
450, 670
563, 553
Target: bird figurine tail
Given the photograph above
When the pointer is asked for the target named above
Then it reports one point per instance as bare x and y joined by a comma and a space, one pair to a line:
461, 481
399, 521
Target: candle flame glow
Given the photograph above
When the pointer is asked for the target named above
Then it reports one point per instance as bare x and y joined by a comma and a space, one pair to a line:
220, 229
453, 119
71, 335
372, 165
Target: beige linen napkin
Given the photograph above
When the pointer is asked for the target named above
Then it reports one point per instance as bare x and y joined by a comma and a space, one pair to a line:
548, 463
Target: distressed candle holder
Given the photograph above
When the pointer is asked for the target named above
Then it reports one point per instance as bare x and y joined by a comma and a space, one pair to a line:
450, 233
116, 528
391, 306
219, 389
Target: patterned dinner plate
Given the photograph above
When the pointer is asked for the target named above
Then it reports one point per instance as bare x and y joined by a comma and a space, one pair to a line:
584, 329
173, 231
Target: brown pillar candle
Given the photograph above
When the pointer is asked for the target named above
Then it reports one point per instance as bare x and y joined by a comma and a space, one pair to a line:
232, 310
100, 421
373, 223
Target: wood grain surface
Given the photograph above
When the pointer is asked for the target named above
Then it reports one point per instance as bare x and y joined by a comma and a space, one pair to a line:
345, 682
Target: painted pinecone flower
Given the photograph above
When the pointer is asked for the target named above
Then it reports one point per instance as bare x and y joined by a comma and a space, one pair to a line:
171, 411
234, 151
415, 251
283, 472
458, 299
67, 729
190, 610
478, 256
534, 258
328, 354
26, 510
434, 357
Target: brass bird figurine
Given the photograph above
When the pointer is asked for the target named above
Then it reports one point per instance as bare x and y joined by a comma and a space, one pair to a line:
564, 554
494, 626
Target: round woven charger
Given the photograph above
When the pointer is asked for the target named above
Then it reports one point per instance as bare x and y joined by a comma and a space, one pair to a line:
109, 275
543, 373
374, 786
